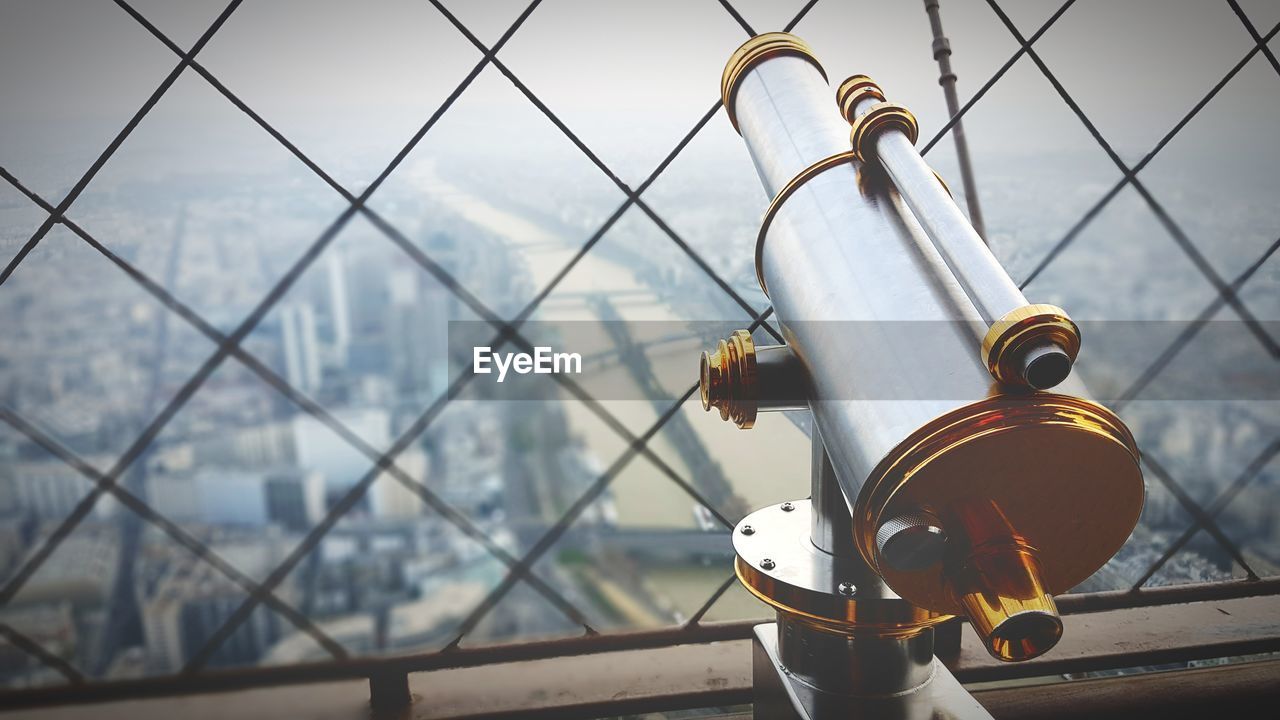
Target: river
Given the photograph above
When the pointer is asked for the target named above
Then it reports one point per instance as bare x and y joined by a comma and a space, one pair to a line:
765, 465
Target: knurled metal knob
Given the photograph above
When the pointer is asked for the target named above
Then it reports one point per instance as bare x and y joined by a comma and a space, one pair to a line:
911, 542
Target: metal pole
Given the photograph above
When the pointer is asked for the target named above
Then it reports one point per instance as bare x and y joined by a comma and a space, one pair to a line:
832, 527
947, 79
389, 693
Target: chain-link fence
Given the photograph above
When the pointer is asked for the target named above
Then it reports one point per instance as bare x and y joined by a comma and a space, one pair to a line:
295, 583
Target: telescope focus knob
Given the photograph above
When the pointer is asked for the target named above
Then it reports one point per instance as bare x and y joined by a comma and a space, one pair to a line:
911, 542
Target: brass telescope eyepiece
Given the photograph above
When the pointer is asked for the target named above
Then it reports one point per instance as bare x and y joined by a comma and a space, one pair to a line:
739, 379
997, 581
727, 379
1033, 345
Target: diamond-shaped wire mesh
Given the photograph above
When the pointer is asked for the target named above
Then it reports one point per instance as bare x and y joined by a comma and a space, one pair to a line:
344, 577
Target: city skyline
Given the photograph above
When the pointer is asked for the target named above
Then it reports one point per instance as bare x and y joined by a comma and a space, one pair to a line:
249, 471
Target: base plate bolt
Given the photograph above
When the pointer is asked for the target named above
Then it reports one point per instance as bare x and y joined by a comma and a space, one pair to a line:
788, 506
748, 530
847, 589
767, 564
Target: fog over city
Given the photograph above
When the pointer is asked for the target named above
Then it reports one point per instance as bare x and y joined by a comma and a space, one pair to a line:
350, 363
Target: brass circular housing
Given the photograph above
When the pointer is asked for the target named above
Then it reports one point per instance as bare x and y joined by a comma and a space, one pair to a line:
1009, 339
854, 90
727, 379
1062, 470
754, 51
779, 564
879, 117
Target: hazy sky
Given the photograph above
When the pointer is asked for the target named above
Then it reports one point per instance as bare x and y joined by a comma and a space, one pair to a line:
353, 80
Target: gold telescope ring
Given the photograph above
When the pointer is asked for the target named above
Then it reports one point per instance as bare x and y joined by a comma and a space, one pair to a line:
787, 191
880, 116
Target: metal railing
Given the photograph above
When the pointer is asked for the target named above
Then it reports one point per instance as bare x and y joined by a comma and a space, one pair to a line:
388, 677
519, 569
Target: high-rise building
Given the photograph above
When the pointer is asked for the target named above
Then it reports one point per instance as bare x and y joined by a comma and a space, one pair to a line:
217, 495
81, 571
339, 307
369, 353
294, 498
174, 496
317, 448
389, 498
187, 605
253, 445
229, 496
301, 347
45, 489
416, 332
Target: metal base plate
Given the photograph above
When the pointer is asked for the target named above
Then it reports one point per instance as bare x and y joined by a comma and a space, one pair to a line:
778, 562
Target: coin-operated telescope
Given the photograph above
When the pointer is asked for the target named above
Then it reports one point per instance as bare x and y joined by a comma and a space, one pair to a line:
947, 479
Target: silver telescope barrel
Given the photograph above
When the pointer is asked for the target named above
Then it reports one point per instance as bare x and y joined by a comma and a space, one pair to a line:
845, 253
968, 491
885, 133
985, 281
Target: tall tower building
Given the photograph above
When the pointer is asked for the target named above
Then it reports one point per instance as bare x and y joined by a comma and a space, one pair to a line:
417, 322
339, 306
301, 347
